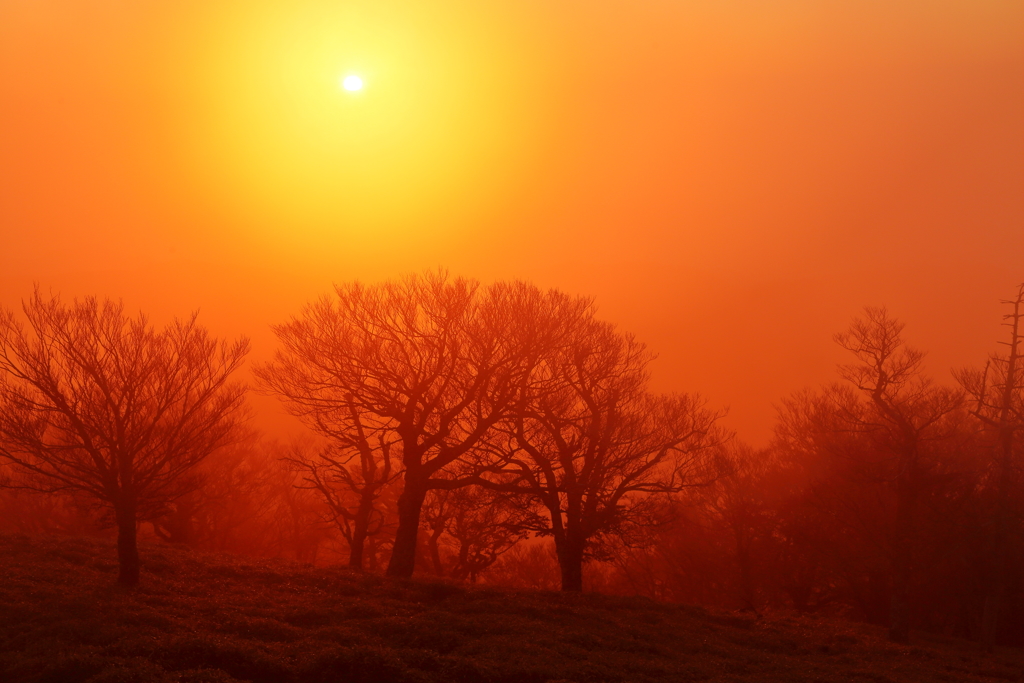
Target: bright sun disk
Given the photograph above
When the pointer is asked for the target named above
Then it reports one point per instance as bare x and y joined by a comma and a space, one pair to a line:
352, 83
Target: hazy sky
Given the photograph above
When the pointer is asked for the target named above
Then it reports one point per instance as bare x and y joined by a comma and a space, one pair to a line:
732, 180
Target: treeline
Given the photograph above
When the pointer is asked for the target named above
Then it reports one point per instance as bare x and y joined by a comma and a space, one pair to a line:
504, 434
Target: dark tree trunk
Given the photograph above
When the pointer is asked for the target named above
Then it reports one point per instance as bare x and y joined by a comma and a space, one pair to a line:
899, 606
177, 526
360, 530
410, 503
570, 561
1007, 431
996, 597
435, 550
355, 547
127, 546
370, 554
569, 540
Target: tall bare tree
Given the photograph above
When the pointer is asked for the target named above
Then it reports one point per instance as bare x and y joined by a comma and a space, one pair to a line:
997, 397
903, 412
592, 445
429, 363
836, 502
97, 402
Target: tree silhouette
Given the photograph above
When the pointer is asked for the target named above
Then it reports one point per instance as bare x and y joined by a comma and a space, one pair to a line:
96, 402
738, 504
903, 412
350, 474
591, 445
429, 363
246, 501
469, 528
997, 398
835, 521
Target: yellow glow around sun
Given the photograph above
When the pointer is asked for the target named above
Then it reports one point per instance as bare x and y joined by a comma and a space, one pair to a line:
281, 142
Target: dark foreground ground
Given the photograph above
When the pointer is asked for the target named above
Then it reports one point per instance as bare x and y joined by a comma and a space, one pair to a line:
203, 619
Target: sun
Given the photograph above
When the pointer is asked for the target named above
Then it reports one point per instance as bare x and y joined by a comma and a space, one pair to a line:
352, 83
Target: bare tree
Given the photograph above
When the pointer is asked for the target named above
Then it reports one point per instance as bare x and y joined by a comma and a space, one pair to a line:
903, 412
737, 503
188, 519
469, 528
97, 402
429, 363
836, 503
285, 518
997, 397
350, 479
592, 445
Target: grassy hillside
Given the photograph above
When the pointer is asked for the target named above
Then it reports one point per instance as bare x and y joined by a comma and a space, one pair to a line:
203, 619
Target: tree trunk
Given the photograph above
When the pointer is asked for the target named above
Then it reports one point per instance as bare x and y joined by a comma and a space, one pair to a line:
1000, 561
360, 530
127, 546
177, 526
899, 605
355, 547
570, 559
410, 503
1007, 430
370, 553
435, 550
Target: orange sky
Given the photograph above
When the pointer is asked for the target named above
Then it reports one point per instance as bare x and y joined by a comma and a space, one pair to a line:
731, 179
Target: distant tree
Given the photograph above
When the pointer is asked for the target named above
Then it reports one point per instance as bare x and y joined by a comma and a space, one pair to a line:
997, 401
350, 474
834, 519
592, 446
429, 363
469, 528
285, 518
903, 412
201, 516
838, 541
291, 516
245, 501
95, 402
740, 505
530, 565
686, 558
352, 469
25, 512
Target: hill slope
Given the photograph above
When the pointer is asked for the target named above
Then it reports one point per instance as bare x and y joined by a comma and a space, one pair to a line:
214, 619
